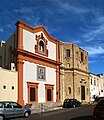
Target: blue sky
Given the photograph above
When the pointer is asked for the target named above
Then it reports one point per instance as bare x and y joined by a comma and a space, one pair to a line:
75, 21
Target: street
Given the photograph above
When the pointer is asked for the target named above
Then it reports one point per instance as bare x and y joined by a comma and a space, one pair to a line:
81, 113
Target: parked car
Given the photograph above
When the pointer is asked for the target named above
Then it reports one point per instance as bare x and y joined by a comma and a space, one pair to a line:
98, 112
71, 103
10, 109
97, 99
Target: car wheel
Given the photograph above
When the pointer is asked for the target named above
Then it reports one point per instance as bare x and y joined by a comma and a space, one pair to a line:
93, 118
1, 117
79, 105
73, 106
26, 114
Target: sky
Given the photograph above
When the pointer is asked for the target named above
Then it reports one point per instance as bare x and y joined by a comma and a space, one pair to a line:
76, 21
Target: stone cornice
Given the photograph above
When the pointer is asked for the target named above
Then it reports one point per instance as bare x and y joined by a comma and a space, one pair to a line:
71, 69
36, 56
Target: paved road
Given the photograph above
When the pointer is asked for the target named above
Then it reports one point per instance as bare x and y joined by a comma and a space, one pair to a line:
83, 113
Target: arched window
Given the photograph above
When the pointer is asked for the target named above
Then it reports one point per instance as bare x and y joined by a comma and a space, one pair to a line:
69, 89
41, 46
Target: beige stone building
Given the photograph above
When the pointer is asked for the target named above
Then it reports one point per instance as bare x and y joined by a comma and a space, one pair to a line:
8, 85
9, 76
74, 74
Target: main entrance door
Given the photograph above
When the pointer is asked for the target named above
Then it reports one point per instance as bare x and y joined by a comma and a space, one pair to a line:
82, 92
49, 92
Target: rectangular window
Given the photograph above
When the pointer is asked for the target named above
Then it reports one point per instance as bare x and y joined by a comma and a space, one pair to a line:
82, 92
67, 53
82, 56
32, 94
95, 82
49, 96
12, 87
4, 87
91, 80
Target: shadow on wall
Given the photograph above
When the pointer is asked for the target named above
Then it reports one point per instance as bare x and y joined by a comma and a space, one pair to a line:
83, 118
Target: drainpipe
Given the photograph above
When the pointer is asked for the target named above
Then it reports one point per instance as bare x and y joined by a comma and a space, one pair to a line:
5, 56
59, 67
73, 70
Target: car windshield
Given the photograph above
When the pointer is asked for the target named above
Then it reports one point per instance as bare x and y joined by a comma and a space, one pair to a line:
70, 100
67, 100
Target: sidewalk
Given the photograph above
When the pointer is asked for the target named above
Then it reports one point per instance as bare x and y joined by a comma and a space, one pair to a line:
46, 107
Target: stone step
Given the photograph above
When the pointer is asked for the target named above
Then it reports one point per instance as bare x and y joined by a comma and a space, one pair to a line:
42, 107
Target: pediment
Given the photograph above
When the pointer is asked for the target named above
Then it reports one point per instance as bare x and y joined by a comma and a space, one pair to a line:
35, 30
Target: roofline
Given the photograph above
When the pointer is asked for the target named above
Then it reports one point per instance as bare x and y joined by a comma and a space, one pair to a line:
34, 29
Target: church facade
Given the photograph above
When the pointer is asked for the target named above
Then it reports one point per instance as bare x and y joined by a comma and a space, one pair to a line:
74, 74
33, 53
